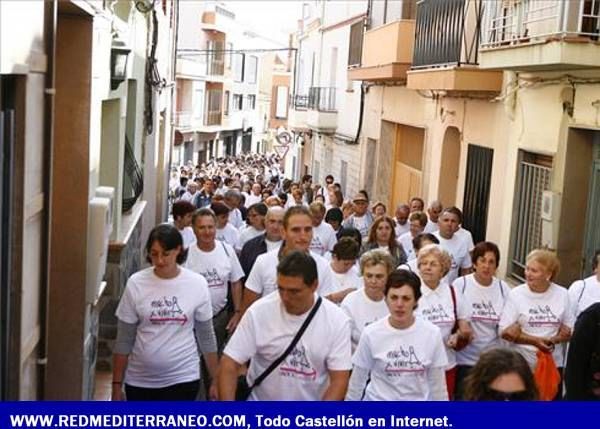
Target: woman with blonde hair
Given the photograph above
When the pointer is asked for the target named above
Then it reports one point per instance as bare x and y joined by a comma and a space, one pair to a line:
443, 306
537, 315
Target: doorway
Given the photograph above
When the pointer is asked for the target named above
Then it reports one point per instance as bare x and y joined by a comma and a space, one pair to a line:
450, 167
477, 190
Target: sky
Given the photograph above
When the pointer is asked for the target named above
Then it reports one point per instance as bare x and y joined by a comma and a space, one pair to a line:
275, 19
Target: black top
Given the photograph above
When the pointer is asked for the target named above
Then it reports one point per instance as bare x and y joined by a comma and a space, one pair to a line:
250, 251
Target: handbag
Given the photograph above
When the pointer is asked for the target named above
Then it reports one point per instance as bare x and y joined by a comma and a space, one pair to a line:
244, 389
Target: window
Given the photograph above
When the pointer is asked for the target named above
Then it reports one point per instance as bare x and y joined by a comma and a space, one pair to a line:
237, 102
282, 100
228, 55
226, 103
251, 102
238, 67
385, 11
250, 69
356, 39
213, 107
198, 103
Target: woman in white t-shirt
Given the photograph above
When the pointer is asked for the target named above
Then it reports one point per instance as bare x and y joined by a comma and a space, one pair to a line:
343, 260
485, 295
155, 354
443, 306
400, 357
537, 315
586, 292
367, 304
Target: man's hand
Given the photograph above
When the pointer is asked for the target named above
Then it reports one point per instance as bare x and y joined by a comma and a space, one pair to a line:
233, 322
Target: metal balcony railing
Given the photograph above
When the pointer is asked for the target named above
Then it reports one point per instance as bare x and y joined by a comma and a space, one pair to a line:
518, 22
322, 99
299, 102
183, 119
215, 67
447, 32
213, 117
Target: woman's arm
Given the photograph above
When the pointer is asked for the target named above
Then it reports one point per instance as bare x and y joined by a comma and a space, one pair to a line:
126, 334
207, 342
357, 384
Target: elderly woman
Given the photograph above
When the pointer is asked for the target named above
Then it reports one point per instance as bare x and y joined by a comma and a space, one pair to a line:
586, 292
443, 306
382, 236
417, 221
155, 355
402, 355
537, 315
366, 305
486, 296
501, 375
418, 243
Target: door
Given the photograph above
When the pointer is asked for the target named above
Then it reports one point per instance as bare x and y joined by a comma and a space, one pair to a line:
477, 190
592, 233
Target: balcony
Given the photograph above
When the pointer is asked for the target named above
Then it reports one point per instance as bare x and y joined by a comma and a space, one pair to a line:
185, 121
446, 48
297, 112
387, 52
322, 111
212, 117
190, 66
541, 35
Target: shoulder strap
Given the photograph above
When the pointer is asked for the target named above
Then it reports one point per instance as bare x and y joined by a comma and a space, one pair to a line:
453, 294
280, 359
464, 286
224, 248
581, 293
501, 288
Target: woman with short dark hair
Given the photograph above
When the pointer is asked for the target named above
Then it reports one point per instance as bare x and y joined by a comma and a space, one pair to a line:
500, 375
155, 354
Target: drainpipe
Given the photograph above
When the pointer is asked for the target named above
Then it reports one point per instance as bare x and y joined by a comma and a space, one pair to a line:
50, 26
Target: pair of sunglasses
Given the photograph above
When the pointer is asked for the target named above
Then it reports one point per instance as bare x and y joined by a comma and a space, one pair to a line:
497, 395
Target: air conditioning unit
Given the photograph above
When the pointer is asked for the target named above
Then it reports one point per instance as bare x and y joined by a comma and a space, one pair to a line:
99, 230
550, 214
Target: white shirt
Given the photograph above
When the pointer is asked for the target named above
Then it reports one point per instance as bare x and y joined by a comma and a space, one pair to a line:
399, 359
362, 311
486, 303
466, 235
229, 235
538, 314
264, 333
431, 227
189, 197
188, 236
273, 245
218, 267
248, 233
323, 239
252, 199
235, 218
405, 240
348, 280
459, 253
164, 352
584, 293
437, 307
262, 279
401, 229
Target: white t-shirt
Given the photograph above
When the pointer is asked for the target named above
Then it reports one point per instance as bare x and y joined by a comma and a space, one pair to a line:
459, 252
584, 293
263, 276
437, 307
252, 199
218, 268
323, 239
248, 233
538, 314
229, 235
405, 240
431, 227
362, 311
466, 235
164, 352
411, 266
362, 224
401, 229
188, 236
190, 198
399, 360
264, 333
348, 280
273, 245
235, 218
486, 303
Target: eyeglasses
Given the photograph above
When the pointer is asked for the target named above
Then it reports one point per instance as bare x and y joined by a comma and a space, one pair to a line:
497, 395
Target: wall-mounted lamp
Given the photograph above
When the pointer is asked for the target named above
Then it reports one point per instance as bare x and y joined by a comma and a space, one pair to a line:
118, 63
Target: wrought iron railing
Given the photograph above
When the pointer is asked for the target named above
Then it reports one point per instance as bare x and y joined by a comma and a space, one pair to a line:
447, 33
525, 21
213, 117
299, 102
133, 183
322, 99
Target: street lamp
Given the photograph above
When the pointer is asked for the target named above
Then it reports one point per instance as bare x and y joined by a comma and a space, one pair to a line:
118, 63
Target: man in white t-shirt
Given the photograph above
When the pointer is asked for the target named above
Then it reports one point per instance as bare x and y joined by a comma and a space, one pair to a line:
254, 196
453, 244
182, 219
434, 211
297, 235
362, 219
323, 234
226, 232
401, 219
318, 367
233, 199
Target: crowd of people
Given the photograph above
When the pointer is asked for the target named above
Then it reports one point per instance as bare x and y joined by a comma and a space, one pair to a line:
266, 289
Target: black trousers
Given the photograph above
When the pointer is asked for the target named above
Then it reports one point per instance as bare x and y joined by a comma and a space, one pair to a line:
177, 392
